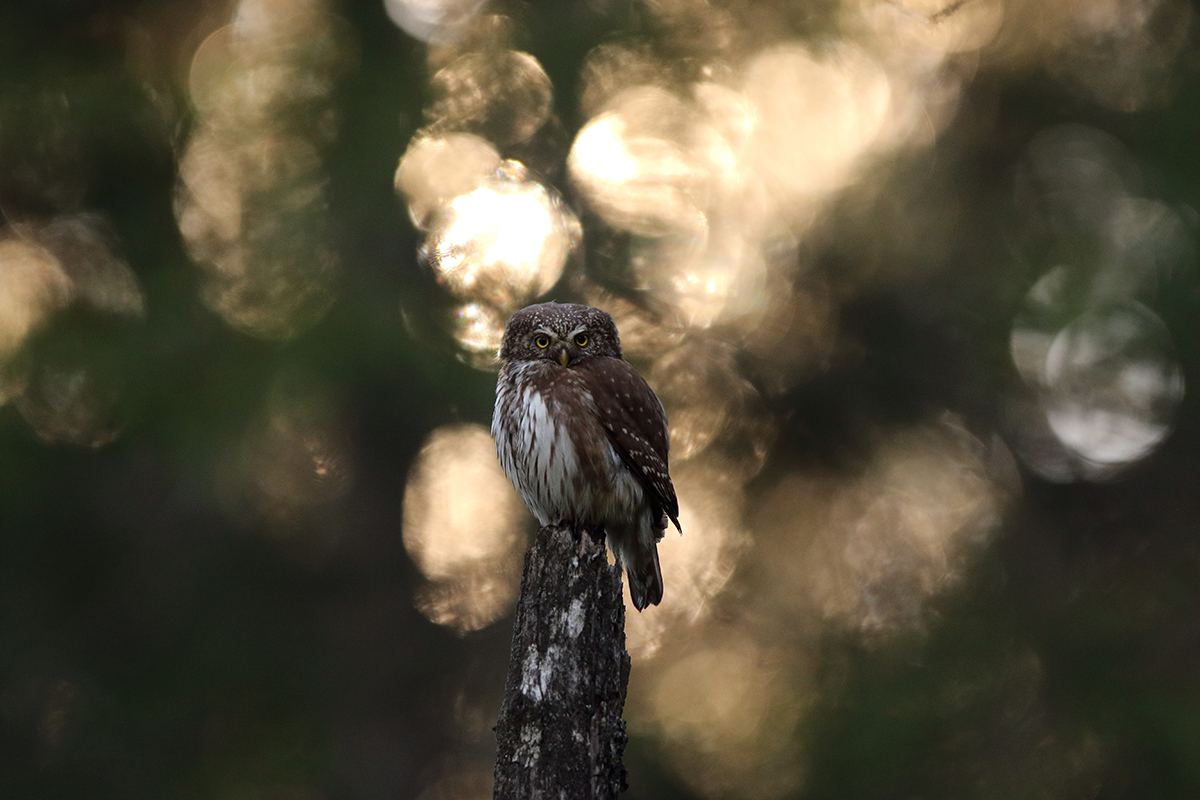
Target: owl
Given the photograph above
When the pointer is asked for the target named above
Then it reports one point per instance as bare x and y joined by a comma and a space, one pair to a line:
583, 437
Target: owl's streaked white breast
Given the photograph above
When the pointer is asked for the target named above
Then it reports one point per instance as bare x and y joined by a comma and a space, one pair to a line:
541, 458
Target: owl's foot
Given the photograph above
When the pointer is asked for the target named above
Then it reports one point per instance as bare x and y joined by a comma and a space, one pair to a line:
596, 534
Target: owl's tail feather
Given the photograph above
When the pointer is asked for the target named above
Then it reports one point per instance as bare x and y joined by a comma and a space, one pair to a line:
645, 577
635, 544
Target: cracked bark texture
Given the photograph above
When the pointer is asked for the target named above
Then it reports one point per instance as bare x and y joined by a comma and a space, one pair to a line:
560, 732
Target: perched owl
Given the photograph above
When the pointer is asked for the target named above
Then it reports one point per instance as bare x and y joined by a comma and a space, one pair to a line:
582, 436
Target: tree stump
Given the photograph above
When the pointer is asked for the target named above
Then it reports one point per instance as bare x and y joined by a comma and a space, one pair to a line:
560, 732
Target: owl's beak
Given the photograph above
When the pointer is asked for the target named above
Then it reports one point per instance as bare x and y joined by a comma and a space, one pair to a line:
563, 357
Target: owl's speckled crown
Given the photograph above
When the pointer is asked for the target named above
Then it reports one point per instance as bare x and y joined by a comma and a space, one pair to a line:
561, 318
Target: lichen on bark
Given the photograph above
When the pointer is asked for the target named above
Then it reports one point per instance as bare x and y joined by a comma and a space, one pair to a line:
560, 733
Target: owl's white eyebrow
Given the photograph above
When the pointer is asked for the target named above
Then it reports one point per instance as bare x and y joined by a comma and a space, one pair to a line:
580, 329
546, 331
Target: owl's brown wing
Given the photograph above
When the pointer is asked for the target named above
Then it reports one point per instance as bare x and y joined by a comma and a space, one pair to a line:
636, 424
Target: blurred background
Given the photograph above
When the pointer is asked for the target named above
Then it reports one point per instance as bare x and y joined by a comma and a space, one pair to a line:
916, 281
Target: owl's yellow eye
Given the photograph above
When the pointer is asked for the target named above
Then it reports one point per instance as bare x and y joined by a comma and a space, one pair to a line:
542, 341
581, 339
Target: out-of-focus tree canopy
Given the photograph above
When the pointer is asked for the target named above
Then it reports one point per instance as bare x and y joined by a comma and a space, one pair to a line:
916, 281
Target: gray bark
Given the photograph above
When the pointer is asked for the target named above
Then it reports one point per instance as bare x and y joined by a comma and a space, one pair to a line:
560, 732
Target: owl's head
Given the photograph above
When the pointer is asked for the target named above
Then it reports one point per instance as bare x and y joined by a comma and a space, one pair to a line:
559, 332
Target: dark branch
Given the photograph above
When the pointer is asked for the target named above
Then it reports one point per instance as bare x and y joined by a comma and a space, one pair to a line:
560, 732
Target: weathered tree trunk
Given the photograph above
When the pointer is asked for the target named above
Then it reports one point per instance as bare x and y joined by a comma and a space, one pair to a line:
560, 732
